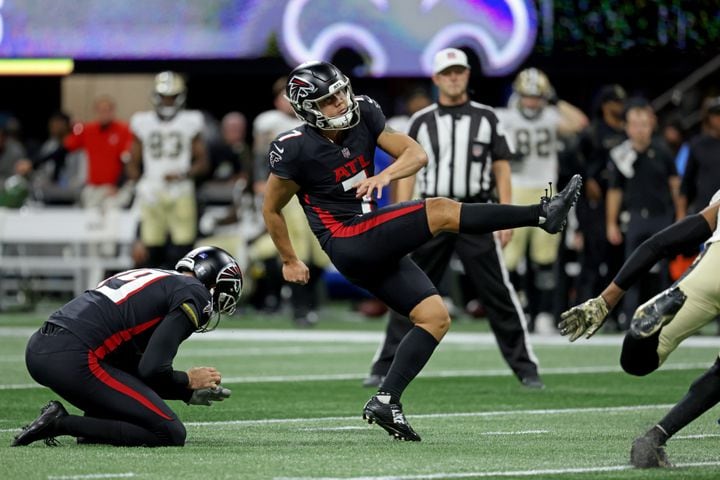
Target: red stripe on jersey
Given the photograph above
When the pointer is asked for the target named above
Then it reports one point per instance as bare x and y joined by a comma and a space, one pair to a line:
115, 340
102, 375
369, 224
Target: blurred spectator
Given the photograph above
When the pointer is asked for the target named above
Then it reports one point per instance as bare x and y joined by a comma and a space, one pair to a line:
168, 154
230, 156
11, 151
57, 176
702, 172
533, 121
106, 142
644, 183
416, 100
266, 127
599, 260
304, 298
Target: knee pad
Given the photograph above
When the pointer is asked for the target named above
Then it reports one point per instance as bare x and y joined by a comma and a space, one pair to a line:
657, 312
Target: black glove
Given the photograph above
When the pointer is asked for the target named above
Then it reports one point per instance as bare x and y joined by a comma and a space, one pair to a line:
205, 396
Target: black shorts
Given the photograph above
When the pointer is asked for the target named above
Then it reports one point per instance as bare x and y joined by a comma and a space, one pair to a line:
59, 360
371, 251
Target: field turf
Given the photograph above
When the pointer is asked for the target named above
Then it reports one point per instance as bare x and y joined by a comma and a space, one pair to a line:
296, 408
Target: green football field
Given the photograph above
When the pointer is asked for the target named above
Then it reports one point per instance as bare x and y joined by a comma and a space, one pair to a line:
296, 408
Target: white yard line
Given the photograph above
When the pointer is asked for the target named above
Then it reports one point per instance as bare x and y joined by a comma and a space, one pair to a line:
92, 475
241, 351
374, 337
494, 413
515, 473
331, 429
500, 372
520, 432
692, 437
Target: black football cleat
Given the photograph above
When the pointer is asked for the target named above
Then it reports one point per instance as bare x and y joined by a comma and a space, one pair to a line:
656, 312
646, 452
43, 427
390, 417
555, 209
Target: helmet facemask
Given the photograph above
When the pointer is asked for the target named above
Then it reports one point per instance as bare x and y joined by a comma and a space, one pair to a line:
340, 122
225, 295
218, 271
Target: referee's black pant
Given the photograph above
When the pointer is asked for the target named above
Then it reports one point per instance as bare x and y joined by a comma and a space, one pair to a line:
481, 257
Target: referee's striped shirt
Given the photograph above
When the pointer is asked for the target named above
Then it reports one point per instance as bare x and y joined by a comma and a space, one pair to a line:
461, 143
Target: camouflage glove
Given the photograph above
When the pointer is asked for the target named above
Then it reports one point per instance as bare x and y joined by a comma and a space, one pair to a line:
205, 396
584, 319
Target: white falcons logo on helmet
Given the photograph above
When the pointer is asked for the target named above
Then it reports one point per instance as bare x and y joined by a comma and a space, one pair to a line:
299, 88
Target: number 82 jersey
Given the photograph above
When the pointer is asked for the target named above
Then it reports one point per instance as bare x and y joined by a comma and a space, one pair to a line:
536, 145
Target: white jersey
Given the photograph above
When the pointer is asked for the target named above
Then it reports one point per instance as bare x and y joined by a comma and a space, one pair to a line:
167, 145
274, 122
535, 143
716, 234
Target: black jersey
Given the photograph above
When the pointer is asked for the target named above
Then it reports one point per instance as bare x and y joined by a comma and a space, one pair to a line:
121, 314
327, 171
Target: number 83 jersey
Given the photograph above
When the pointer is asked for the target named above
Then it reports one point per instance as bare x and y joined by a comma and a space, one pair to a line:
536, 145
166, 144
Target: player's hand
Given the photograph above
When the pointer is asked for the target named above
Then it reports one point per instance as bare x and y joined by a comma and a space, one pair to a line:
203, 377
295, 271
205, 396
584, 319
366, 188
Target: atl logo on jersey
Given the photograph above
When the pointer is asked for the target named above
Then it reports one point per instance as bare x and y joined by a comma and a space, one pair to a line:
351, 168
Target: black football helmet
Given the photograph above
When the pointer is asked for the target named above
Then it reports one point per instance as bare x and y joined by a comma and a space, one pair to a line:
221, 275
313, 81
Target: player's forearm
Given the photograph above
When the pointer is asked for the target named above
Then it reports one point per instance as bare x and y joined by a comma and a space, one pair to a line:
408, 163
612, 206
277, 228
674, 239
501, 171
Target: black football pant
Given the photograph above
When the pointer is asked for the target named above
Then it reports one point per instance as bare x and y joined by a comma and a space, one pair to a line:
119, 408
482, 260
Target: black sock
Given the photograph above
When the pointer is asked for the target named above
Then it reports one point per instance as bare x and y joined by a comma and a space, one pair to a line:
639, 355
412, 354
110, 432
704, 393
489, 217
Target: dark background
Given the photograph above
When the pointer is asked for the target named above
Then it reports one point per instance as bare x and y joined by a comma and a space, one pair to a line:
645, 46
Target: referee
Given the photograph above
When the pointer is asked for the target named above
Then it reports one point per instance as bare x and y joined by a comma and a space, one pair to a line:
468, 158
